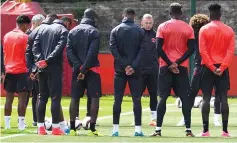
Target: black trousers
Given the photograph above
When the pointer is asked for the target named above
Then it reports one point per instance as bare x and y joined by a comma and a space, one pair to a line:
50, 85
195, 86
180, 84
134, 82
149, 81
35, 96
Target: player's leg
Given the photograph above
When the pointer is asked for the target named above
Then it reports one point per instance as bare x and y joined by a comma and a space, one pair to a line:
165, 82
77, 91
206, 85
120, 81
35, 94
88, 107
55, 88
217, 110
62, 123
195, 82
152, 89
222, 87
42, 101
134, 82
22, 90
93, 84
10, 87
181, 88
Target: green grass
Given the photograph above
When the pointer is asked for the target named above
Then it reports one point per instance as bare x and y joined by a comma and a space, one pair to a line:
170, 133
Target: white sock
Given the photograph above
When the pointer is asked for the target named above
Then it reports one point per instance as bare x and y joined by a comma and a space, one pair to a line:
158, 128
55, 125
21, 124
63, 125
188, 129
153, 115
115, 128
40, 125
216, 117
138, 129
7, 120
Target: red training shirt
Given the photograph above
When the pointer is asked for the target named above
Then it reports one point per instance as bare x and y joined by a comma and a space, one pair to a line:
176, 34
217, 45
14, 48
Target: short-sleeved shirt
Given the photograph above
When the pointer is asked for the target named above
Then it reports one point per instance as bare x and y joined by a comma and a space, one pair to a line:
176, 34
14, 48
216, 45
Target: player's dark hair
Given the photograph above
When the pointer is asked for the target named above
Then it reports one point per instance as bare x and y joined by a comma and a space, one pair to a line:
23, 19
175, 9
197, 21
51, 17
129, 12
66, 19
215, 11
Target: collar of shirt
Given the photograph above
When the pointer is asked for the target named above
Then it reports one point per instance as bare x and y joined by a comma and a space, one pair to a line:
17, 30
88, 21
128, 20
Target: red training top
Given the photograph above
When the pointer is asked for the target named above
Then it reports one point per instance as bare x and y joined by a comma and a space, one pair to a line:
14, 48
176, 34
217, 45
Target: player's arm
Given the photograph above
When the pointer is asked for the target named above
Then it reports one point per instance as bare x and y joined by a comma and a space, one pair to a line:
159, 46
29, 54
59, 47
92, 52
188, 53
229, 54
72, 58
203, 51
161, 52
2, 61
37, 52
113, 46
141, 52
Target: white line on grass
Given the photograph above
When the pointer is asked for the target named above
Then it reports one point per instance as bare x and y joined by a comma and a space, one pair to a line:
100, 118
12, 136
64, 107
126, 113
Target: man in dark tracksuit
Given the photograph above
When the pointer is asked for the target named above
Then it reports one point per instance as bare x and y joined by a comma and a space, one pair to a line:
36, 22
149, 65
127, 48
82, 52
48, 54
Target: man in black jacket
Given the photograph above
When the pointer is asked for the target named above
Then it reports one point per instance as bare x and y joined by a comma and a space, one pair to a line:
126, 45
149, 65
48, 54
82, 52
36, 22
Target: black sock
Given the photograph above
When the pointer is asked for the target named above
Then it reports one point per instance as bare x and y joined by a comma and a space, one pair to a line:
225, 124
92, 127
72, 124
205, 126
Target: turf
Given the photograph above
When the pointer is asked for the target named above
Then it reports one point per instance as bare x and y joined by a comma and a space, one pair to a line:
170, 133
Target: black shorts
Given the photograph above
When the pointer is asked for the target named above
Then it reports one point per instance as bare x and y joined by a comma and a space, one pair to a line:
92, 83
16, 83
210, 80
179, 82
